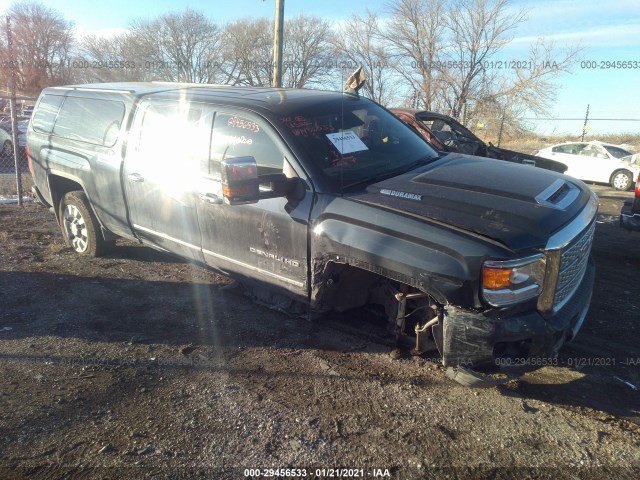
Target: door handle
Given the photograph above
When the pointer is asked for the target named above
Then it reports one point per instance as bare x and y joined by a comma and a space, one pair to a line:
211, 198
135, 177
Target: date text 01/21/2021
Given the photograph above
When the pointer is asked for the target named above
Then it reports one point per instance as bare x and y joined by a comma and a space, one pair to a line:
317, 473
570, 361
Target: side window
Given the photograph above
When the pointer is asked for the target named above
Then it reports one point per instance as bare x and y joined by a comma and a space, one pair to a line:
570, 148
46, 113
593, 151
618, 152
237, 135
174, 137
90, 120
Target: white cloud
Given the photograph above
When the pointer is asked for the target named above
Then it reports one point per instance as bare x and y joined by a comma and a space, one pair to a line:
597, 37
595, 24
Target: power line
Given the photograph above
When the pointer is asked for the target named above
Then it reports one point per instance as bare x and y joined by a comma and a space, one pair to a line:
590, 119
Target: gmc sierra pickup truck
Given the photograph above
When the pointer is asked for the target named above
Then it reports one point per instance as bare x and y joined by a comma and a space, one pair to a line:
329, 199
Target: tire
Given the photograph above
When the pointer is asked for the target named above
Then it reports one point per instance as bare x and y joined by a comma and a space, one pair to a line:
80, 227
621, 180
7, 149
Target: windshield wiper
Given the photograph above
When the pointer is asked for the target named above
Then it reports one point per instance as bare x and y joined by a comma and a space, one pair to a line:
393, 173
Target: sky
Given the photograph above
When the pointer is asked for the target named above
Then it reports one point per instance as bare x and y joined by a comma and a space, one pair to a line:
607, 31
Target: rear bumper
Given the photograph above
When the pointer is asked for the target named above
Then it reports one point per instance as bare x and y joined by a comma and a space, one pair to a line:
628, 219
514, 343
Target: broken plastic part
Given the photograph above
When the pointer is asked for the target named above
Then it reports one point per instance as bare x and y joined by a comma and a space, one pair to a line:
471, 379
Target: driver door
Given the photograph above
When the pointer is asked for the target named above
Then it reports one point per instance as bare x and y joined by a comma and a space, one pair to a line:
266, 240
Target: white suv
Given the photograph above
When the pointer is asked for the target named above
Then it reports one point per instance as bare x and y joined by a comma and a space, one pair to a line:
596, 162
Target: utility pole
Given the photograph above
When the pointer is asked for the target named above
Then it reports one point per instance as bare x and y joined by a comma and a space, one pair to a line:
12, 103
584, 127
504, 114
277, 44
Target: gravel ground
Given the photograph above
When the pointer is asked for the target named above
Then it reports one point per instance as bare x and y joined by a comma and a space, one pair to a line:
138, 365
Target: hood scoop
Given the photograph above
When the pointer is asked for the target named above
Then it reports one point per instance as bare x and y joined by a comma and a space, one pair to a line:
560, 194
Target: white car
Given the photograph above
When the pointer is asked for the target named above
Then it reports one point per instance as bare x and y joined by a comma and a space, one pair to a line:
596, 162
6, 145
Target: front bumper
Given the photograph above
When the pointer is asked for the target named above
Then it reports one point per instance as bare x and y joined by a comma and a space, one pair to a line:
514, 343
628, 219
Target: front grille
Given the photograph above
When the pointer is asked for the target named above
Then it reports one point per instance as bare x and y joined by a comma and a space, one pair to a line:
567, 257
573, 263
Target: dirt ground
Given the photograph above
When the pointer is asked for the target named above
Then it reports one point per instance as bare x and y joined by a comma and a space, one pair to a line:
138, 365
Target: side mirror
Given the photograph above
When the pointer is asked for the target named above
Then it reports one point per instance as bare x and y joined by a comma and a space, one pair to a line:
239, 180
241, 183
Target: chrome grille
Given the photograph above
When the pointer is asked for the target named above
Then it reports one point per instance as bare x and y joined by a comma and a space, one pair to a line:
567, 256
573, 263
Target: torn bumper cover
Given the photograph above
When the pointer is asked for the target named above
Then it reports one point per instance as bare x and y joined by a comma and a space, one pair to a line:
516, 343
629, 219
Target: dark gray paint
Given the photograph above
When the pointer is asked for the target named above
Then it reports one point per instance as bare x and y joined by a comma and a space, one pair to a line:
469, 210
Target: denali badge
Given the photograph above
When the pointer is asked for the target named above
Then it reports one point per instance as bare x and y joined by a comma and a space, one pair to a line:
262, 253
395, 193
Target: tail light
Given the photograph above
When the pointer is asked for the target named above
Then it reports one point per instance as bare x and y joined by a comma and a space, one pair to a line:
635, 206
29, 165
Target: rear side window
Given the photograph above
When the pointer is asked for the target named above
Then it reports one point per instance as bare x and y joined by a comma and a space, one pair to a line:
45, 115
173, 139
90, 120
571, 148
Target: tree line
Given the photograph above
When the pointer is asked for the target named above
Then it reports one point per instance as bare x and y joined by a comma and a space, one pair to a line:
442, 55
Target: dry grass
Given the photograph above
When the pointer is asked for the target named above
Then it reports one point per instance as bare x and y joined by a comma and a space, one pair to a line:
8, 184
530, 143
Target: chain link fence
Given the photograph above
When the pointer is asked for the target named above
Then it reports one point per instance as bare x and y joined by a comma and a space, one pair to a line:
14, 170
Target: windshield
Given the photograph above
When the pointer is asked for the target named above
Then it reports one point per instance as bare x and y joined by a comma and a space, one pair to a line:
354, 142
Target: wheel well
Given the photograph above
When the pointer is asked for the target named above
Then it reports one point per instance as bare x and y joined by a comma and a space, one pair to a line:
60, 186
342, 286
409, 312
622, 170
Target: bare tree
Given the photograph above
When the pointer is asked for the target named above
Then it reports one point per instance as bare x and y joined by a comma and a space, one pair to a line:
308, 51
415, 35
477, 30
42, 41
247, 53
110, 59
358, 41
179, 47
532, 87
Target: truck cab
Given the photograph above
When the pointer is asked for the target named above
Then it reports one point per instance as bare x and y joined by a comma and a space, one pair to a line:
330, 200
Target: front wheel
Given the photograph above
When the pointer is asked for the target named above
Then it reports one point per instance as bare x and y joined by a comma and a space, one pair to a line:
79, 225
621, 180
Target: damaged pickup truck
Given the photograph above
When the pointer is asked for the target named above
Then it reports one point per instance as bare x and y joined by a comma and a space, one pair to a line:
327, 198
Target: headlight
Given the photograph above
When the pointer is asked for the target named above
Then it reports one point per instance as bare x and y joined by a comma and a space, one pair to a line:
509, 282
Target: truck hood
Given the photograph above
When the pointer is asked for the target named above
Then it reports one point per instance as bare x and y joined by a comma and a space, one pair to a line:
519, 206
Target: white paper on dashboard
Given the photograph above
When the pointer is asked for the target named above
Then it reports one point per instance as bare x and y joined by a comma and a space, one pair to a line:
346, 142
